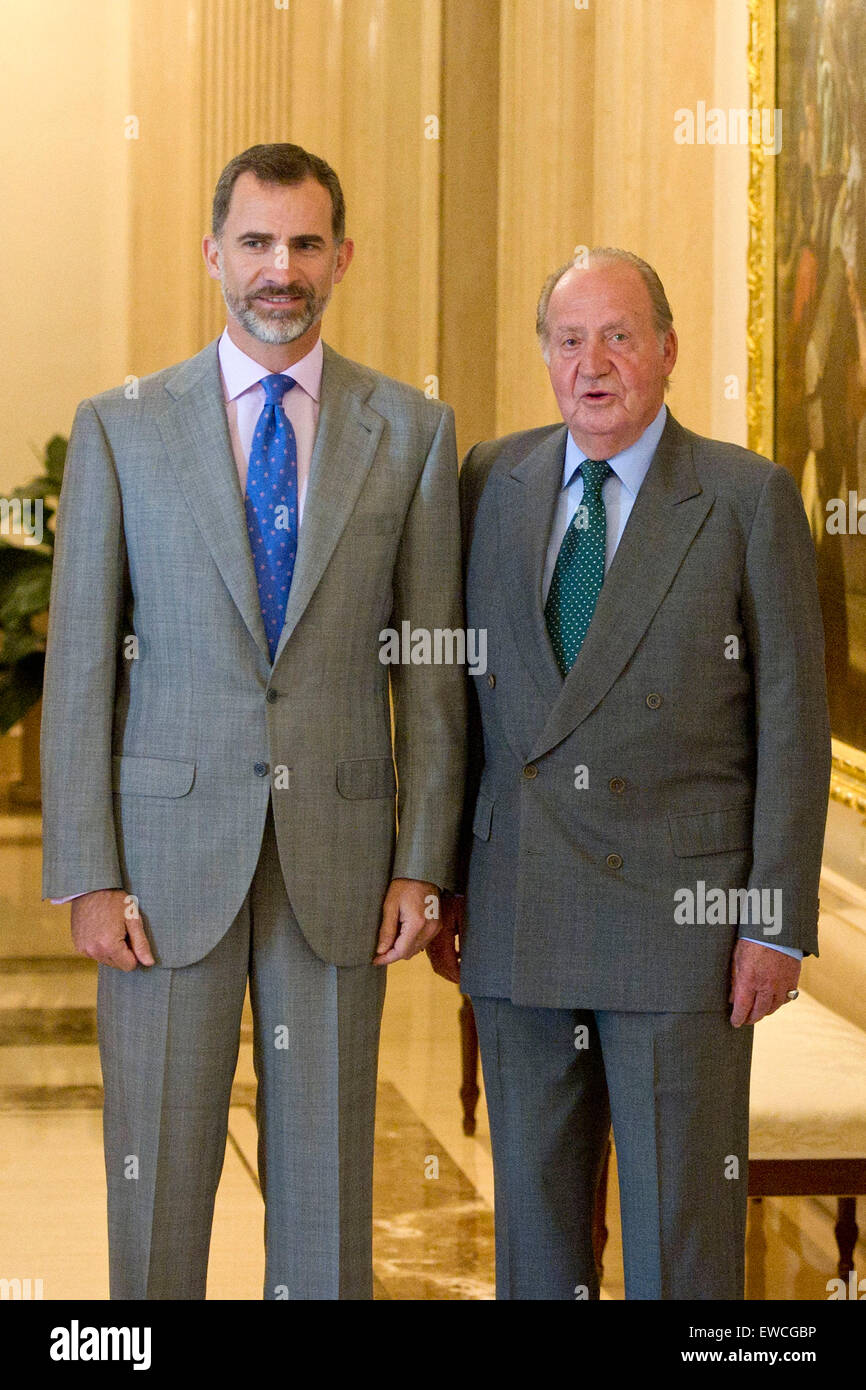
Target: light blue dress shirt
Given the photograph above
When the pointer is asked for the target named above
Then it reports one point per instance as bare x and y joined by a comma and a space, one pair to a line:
619, 490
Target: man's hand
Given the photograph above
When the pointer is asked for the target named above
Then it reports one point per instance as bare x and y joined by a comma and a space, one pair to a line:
760, 980
443, 949
107, 927
407, 925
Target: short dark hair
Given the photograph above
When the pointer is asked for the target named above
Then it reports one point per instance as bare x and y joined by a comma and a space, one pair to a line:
287, 164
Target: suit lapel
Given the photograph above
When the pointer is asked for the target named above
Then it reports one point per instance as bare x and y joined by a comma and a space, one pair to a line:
527, 498
347, 437
668, 512
195, 432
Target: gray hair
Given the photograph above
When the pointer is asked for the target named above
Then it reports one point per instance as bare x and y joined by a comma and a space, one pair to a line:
663, 319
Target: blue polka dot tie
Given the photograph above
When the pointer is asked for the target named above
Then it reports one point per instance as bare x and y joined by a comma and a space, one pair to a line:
579, 572
272, 505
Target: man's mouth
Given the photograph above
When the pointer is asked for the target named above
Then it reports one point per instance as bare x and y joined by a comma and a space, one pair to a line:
597, 396
280, 299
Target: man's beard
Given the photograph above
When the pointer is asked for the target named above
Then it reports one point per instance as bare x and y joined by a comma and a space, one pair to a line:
276, 325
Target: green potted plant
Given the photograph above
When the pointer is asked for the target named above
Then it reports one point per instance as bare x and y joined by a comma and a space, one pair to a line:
26, 560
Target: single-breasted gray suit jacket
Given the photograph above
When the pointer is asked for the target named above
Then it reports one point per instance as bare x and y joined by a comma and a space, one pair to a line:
158, 765
702, 767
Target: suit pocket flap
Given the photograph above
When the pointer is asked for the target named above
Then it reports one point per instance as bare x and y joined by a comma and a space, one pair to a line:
133, 776
483, 816
712, 832
359, 778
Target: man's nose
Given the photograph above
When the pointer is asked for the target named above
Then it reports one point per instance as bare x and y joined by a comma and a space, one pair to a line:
595, 359
280, 269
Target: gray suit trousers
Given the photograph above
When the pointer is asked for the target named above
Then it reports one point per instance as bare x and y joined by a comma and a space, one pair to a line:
169, 1042
676, 1086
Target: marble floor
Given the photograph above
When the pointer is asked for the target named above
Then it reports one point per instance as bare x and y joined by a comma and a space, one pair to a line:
433, 1202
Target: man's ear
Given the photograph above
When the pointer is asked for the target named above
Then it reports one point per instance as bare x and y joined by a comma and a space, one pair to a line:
345, 251
210, 249
670, 349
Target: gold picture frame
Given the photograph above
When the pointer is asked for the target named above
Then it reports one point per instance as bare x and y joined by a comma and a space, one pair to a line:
848, 782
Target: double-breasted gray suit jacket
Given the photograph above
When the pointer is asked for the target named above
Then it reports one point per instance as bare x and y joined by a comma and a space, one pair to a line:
158, 765
701, 767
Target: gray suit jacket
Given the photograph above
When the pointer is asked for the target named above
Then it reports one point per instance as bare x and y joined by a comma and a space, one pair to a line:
701, 769
158, 767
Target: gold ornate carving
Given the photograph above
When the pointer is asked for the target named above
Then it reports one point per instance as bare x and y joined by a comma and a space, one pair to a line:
761, 203
848, 782
848, 779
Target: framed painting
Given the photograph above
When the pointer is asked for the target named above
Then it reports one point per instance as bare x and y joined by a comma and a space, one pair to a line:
807, 318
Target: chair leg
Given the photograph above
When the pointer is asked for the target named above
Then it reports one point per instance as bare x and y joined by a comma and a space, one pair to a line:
846, 1232
469, 1053
756, 1250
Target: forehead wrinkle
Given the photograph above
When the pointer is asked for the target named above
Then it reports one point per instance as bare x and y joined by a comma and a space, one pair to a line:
621, 322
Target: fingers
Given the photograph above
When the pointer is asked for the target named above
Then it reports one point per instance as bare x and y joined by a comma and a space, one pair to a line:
414, 935
442, 952
760, 980
751, 1005
410, 919
388, 927
138, 942
122, 958
107, 927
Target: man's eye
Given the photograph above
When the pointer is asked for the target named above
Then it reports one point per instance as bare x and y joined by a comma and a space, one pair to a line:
252, 243
620, 337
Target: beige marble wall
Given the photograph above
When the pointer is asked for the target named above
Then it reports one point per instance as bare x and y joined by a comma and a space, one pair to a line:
554, 121
356, 81
64, 272
587, 156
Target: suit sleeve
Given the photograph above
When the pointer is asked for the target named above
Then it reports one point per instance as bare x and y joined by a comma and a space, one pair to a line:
473, 475
430, 700
784, 631
85, 609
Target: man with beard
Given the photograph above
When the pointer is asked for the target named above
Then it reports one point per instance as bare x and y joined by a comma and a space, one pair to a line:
219, 779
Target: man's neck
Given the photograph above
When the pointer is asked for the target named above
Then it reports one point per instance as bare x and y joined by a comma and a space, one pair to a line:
277, 357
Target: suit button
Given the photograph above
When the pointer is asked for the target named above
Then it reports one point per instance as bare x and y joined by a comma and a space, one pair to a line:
271, 697
530, 771
653, 700
261, 769
614, 861
617, 784
491, 680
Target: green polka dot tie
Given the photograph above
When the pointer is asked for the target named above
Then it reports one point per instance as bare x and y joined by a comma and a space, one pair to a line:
579, 572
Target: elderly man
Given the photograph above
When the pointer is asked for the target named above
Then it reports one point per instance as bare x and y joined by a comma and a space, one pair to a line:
217, 754
644, 831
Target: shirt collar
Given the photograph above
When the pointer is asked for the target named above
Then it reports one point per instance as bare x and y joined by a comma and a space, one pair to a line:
631, 466
240, 372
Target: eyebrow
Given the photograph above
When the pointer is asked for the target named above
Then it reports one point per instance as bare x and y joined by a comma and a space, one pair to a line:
269, 236
581, 328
